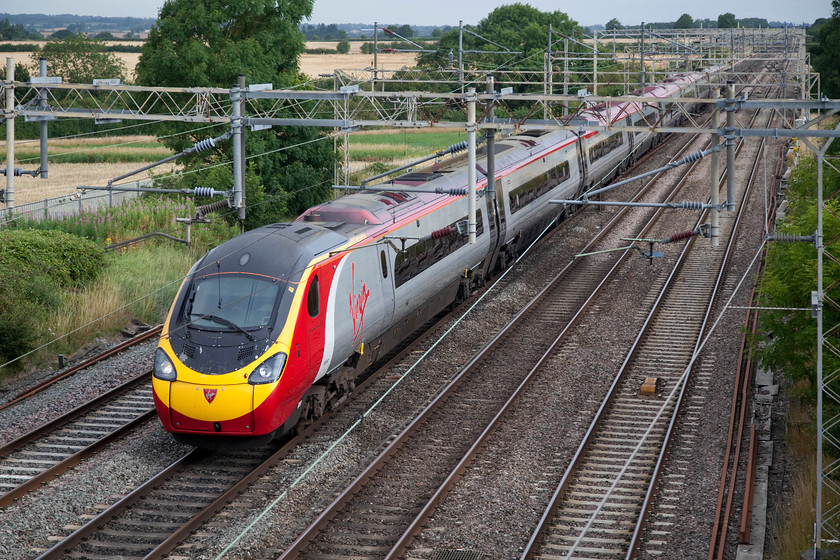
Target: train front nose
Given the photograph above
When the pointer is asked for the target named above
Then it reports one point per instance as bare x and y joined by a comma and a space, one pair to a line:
212, 408
243, 402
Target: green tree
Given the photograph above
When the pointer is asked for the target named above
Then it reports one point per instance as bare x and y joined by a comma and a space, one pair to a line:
208, 43
726, 21
614, 24
62, 34
754, 23
9, 32
22, 72
343, 46
404, 30
791, 275
519, 27
79, 60
684, 22
825, 53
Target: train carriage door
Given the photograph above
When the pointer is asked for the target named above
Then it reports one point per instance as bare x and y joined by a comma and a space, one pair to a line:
386, 270
583, 164
316, 300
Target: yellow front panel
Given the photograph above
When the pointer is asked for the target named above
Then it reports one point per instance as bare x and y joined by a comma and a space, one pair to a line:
200, 403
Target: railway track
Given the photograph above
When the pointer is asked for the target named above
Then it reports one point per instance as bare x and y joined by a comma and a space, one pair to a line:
52, 448
102, 535
600, 507
462, 417
111, 548
154, 518
43, 385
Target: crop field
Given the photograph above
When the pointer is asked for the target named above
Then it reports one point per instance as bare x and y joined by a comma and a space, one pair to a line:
94, 161
83, 161
391, 145
312, 65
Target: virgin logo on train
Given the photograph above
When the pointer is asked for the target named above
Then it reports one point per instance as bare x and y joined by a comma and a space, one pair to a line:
209, 395
357, 305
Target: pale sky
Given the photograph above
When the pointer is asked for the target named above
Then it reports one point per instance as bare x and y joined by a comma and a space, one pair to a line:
443, 12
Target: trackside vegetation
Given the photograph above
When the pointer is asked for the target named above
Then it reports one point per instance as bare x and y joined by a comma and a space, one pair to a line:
58, 285
788, 340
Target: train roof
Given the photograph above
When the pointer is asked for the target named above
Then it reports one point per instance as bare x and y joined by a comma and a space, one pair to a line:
371, 208
271, 250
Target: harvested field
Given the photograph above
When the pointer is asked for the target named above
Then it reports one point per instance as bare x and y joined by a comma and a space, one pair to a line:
310, 64
65, 177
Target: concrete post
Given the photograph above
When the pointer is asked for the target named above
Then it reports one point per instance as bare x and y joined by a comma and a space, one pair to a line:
715, 214
471, 163
375, 53
10, 132
236, 130
242, 154
566, 74
730, 147
642, 55
461, 55
595, 62
42, 104
491, 146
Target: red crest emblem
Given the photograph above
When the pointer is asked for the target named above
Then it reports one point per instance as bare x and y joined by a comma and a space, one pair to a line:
209, 395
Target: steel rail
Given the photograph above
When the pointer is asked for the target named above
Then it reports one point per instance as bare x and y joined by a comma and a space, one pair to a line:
76, 458
226, 497
329, 512
75, 538
406, 538
738, 409
537, 536
137, 339
642, 522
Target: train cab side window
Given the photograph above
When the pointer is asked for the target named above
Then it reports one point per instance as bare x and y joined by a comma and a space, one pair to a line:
384, 261
312, 299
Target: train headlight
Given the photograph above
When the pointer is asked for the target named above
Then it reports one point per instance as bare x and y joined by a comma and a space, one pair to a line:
164, 368
269, 371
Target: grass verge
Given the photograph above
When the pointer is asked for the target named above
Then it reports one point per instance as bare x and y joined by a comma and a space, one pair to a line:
793, 519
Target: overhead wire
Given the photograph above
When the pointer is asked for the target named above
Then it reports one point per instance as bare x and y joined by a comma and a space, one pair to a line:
118, 144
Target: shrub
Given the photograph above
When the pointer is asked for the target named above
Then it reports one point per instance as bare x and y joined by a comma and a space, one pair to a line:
34, 266
66, 259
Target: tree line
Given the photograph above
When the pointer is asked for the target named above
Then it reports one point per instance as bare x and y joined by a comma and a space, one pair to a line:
685, 21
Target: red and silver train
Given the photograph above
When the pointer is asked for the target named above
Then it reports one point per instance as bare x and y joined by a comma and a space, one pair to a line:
270, 328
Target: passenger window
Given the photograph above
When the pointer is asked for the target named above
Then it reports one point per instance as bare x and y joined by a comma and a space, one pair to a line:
312, 300
384, 262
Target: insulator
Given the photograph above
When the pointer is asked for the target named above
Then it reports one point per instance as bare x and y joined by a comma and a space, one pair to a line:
693, 157
202, 211
204, 191
442, 232
205, 144
460, 146
691, 205
791, 238
452, 192
679, 236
